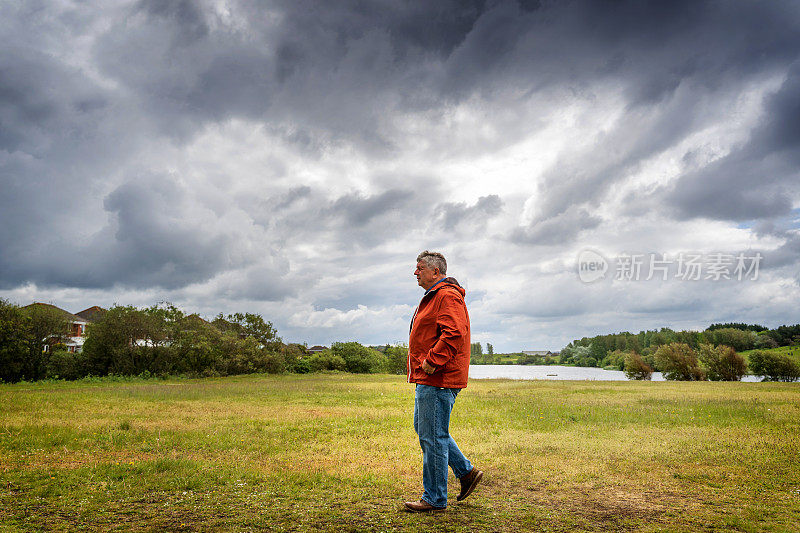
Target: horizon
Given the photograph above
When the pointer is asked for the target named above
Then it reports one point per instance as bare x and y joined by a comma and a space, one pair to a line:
209, 318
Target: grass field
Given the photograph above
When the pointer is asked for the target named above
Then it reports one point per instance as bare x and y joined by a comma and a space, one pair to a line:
337, 452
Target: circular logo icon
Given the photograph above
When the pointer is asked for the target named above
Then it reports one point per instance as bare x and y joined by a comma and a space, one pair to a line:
591, 266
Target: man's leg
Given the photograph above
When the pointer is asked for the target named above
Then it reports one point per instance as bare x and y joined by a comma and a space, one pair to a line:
462, 468
432, 420
460, 464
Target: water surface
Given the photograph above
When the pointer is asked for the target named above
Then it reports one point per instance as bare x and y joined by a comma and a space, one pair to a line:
557, 372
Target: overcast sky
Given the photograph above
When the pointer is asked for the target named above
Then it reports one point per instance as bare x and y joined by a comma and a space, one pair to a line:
291, 158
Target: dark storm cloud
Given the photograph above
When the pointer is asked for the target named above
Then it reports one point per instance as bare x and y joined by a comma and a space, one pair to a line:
332, 74
449, 215
342, 70
562, 228
329, 69
336, 222
674, 62
157, 236
359, 210
757, 181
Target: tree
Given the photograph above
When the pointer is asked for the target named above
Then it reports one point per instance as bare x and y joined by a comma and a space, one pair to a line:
615, 359
636, 368
46, 325
489, 349
296, 358
678, 361
737, 339
14, 348
475, 349
359, 358
722, 363
738, 325
764, 341
326, 360
575, 355
774, 366
250, 325
118, 342
397, 359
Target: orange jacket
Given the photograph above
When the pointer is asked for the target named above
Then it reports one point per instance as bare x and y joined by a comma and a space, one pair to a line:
440, 334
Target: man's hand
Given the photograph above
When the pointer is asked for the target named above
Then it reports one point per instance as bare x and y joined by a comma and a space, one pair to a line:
427, 367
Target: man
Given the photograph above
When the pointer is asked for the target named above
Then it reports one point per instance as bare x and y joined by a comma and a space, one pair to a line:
438, 362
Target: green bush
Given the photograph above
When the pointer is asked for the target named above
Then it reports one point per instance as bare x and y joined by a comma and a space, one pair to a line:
294, 358
13, 342
397, 359
614, 360
300, 366
66, 365
722, 363
678, 361
529, 359
246, 355
636, 368
774, 366
359, 358
764, 341
326, 360
735, 338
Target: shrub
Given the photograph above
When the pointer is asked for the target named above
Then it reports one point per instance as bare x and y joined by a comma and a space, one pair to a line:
722, 362
300, 366
774, 366
529, 359
13, 342
326, 360
359, 359
636, 368
678, 362
736, 338
614, 360
397, 359
246, 355
66, 365
294, 358
765, 342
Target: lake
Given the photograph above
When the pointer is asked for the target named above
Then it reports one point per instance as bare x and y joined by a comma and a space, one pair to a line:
557, 372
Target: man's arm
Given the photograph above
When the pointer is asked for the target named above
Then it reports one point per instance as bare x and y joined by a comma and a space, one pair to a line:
451, 321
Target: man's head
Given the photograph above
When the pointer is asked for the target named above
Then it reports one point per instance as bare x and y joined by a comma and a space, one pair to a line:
431, 267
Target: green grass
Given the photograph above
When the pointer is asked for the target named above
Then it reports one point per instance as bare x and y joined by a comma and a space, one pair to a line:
337, 452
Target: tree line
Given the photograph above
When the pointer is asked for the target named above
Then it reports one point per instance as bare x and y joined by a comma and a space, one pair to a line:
691, 355
162, 340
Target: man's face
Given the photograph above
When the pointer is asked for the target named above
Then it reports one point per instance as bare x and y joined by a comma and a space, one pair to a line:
426, 276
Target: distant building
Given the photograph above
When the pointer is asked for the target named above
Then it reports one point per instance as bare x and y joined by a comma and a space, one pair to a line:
76, 329
92, 314
315, 349
542, 353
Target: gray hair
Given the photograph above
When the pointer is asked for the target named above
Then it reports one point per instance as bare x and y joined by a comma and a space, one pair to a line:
434, 260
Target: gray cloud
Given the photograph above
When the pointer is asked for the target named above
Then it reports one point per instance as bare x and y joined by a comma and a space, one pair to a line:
757, 181
358, 210
360, 126
450, 215
559, 229
157, 235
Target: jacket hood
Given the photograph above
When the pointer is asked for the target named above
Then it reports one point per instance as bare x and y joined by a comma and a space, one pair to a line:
453, 283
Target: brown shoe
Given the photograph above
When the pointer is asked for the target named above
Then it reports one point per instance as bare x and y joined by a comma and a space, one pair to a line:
421, 506
469, 482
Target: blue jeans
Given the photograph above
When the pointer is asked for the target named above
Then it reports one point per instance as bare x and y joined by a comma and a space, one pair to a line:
432, 406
